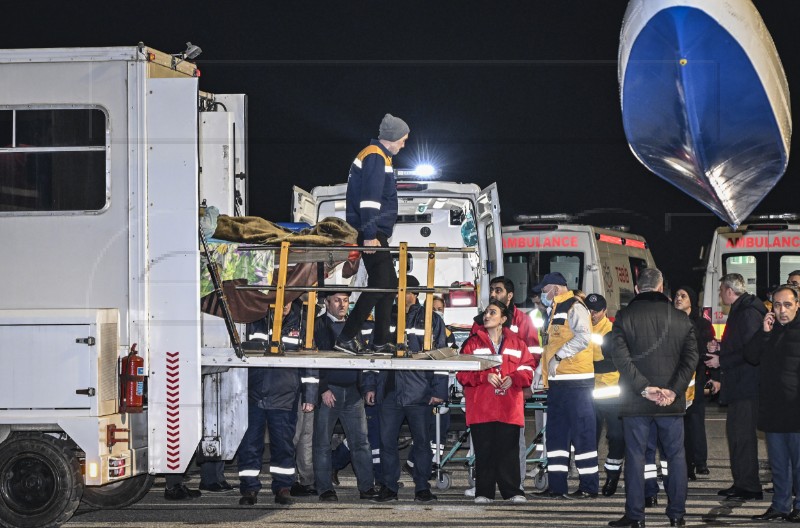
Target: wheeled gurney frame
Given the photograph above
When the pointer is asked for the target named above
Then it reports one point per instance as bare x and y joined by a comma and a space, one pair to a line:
537, 403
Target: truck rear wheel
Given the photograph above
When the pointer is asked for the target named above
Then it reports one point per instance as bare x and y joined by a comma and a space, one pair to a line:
118, 494
40, 481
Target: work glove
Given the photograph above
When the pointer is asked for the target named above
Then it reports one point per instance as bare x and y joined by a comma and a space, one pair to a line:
552, 367
537, 384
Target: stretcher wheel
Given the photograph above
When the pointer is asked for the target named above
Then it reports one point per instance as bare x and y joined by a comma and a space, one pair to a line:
444, 481
540, 480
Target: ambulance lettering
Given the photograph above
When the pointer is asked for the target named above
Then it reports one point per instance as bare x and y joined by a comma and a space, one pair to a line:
535, 242
623, 275
765, 242
608, 278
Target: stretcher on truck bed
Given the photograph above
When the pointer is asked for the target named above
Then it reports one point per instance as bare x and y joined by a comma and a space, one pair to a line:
255, 274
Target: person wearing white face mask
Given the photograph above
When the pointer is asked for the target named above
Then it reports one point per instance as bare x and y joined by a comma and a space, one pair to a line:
568, 373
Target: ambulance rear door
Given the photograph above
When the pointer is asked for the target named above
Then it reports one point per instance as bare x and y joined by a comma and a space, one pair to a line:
490, 230
304, 206
763, 254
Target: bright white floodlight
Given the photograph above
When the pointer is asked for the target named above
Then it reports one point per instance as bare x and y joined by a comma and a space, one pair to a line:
425, 171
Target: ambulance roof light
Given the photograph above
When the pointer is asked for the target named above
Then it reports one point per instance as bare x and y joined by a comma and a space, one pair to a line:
538, 227
530, 219
423, 171
623, 228
786, 217
767, 227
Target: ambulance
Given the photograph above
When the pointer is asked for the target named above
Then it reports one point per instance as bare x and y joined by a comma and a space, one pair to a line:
764, 251
593, 259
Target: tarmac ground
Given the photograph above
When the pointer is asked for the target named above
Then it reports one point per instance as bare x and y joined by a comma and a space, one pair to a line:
453, 509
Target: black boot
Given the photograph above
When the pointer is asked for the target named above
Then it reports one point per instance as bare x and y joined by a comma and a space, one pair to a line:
612, 480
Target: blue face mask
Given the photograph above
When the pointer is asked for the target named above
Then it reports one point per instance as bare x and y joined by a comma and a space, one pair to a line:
546, 300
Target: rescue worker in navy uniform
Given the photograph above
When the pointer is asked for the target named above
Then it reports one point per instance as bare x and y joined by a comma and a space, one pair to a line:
606, 392
272, 402
372, 211
341, 399
568, 373
655, 351
408, 395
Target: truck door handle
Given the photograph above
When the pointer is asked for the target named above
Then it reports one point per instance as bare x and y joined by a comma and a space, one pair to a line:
86, 392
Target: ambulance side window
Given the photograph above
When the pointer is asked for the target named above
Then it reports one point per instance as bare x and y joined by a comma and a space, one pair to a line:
747, 266
788, 264
527, 269
569, 264
637, 265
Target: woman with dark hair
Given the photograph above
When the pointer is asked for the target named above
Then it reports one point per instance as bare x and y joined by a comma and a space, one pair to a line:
695, 443
495, 407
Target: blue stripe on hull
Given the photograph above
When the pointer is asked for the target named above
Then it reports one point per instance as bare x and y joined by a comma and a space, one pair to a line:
705, 126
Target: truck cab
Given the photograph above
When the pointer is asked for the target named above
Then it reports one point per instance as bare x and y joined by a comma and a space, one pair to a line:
764, 251
593, 259
444, 213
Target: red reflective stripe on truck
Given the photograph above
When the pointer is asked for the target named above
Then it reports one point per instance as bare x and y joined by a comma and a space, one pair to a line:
608, 239
635, 243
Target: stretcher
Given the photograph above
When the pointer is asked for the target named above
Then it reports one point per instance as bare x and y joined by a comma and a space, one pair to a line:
534, 453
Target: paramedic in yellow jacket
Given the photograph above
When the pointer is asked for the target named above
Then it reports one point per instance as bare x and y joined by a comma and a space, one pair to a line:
606, 392
568, 374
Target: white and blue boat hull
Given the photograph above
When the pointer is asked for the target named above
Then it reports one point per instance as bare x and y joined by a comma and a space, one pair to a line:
705, 101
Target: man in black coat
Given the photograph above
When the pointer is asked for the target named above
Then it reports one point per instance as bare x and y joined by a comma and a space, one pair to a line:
739, 386
776, 348
655, 351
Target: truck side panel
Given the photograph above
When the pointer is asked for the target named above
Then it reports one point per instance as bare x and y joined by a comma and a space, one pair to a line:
83, 263
175, 398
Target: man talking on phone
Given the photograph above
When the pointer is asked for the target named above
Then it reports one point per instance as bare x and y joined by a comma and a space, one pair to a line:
776, 349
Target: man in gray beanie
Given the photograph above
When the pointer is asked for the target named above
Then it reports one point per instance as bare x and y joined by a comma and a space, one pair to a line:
372, 211
392, 128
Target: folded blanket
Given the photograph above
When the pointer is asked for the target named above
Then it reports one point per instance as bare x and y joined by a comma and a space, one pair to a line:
239, 267
330, 231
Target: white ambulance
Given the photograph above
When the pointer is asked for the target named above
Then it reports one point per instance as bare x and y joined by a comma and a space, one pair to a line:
448, 214
764, 251
593, 259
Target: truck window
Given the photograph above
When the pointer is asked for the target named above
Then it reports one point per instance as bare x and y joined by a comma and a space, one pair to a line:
637, 265
53, 159
747, 266
526, 269
788, 264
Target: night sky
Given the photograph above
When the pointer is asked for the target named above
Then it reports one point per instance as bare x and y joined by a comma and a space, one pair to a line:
523, 93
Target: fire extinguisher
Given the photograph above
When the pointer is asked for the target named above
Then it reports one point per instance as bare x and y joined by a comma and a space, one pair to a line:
131, 382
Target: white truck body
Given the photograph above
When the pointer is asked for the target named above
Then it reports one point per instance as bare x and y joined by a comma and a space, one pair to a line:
592, 259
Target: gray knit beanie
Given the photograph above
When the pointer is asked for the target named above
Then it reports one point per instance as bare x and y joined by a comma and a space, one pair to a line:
392, 128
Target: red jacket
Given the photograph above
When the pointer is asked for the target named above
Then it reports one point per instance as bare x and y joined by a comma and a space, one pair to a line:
522, 325
482, 404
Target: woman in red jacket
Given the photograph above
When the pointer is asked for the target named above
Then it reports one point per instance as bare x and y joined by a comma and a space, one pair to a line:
495, 407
